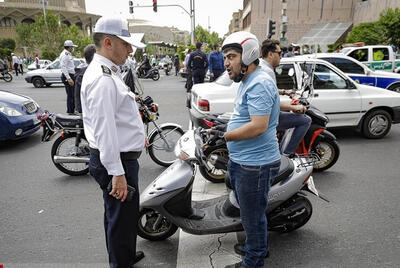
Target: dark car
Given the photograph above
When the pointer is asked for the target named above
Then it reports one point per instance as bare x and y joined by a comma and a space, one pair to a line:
18, 116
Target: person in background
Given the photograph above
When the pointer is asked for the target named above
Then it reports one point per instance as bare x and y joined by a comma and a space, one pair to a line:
37, 61
153, 61
198, 61
20, 65
290, 52
88, 53
176, 64
290, 116
68, 73
189, 77
296, 50
216, 63
15, 63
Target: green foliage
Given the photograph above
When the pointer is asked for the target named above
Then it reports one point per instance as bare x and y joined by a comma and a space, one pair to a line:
371, 33
205, 37
390, 21
334, 47
49, 36
7, 43
5, 53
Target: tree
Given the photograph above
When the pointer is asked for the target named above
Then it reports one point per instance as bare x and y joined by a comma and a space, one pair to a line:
390, 21
204, 36
371, 33
7, 43
49, 36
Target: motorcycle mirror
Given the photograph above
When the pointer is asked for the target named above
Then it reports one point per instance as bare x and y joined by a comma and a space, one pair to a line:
291, 72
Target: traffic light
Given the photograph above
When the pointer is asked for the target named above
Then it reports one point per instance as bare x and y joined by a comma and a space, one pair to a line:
271, 28
155, 5
131, 7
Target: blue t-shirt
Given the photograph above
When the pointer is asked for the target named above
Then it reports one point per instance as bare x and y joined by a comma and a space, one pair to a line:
257, 95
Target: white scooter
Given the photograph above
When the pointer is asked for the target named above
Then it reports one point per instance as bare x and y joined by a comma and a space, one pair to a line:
166, 203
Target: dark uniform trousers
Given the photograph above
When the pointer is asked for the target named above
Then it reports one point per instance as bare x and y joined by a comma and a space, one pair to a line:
120, 218
70, 93
198, 76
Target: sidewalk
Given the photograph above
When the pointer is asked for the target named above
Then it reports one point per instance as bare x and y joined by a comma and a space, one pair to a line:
200, 251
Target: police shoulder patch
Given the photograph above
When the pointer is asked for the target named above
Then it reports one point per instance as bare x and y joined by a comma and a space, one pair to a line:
105, 69
114, 69
66, 53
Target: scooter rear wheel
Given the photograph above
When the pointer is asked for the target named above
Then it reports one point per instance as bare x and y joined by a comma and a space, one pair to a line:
154, 227
328, 152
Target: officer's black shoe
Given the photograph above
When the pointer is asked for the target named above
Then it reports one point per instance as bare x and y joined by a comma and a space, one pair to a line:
239, 249
139, 255
235, 265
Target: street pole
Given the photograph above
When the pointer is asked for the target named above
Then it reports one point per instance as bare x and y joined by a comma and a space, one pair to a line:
284, 26
191, 15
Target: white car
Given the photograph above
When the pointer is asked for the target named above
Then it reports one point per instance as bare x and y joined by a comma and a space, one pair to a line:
49, 75
346, 103
42, 64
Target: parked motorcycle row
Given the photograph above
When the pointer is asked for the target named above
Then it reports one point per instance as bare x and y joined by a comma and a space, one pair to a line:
166, 204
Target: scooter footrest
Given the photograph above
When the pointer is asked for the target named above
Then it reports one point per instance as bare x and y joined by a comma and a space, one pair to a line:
197, 215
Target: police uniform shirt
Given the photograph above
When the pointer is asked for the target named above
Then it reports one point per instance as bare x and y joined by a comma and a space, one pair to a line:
67, 63
110, 116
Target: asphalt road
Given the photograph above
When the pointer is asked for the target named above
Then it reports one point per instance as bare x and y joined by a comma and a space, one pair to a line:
49, 219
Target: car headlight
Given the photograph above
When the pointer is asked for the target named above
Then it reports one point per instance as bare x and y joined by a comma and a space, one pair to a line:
9, 111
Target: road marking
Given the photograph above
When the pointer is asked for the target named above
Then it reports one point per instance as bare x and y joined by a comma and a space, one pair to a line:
198, 250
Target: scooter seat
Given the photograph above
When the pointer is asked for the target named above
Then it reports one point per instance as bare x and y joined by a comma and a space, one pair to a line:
285, 170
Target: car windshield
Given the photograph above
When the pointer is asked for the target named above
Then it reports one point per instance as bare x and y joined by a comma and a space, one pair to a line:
54, 65
224, 80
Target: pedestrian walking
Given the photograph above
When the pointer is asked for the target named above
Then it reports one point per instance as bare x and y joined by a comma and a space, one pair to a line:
176, 64
251, 141
68, 73
15, 63
115, 133
88, 53
216, 63
198, 61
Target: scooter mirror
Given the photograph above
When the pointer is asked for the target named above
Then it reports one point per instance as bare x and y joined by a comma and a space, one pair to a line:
291, 72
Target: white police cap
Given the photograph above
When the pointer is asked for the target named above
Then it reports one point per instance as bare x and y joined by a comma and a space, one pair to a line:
117, 27
69, 43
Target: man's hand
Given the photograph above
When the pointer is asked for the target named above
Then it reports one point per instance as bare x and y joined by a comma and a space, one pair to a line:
70, 82
212, 75
215, 135
299, 109
119, 187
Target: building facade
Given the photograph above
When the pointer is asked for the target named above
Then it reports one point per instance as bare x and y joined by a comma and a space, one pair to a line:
14, 12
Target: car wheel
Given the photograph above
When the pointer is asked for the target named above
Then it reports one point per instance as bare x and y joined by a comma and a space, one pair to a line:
395, 88
376, 124
38, 82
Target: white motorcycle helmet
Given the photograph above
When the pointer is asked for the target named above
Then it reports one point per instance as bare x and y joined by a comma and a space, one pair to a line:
247, 44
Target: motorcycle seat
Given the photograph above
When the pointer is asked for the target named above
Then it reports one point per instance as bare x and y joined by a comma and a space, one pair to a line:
70, 121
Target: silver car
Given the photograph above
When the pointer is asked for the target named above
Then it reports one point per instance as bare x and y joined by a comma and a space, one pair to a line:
48, 75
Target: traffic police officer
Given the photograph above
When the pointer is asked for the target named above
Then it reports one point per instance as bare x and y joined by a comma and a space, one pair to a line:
68, 73
116, 137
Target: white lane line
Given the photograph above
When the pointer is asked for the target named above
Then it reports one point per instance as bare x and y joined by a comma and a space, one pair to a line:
194, 250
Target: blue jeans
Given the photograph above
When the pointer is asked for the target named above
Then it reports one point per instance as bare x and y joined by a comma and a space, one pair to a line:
300, 123
251, 185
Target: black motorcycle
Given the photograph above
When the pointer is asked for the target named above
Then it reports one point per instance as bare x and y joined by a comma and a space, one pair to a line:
153, 73
5, 75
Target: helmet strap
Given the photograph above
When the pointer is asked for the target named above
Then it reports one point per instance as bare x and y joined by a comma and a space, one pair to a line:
243, 70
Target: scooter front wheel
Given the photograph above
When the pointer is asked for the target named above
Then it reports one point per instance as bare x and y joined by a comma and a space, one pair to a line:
162, 144
154, 227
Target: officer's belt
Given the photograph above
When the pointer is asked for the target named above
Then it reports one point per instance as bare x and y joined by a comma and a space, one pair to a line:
123, 155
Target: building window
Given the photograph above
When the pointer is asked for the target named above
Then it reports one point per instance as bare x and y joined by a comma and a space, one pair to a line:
7, 22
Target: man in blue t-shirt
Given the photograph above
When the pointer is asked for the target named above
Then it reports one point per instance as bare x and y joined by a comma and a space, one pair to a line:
215, 63
251, 140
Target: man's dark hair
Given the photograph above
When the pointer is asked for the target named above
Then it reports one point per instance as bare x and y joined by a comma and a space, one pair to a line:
66, 47
268, 45
215, 46
99, 37
198, 45
88, 52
